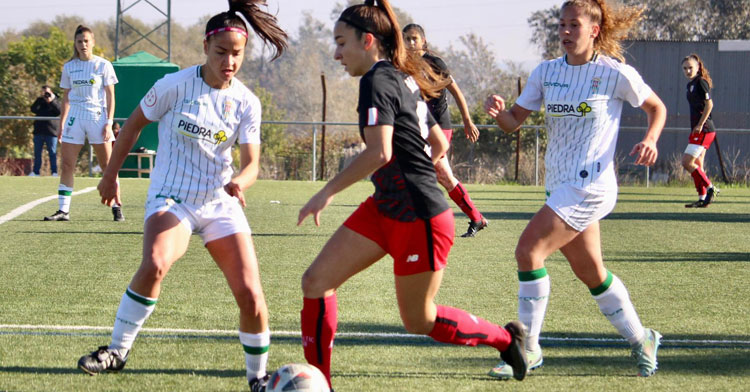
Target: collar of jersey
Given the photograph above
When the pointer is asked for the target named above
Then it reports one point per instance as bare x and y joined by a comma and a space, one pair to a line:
594, 57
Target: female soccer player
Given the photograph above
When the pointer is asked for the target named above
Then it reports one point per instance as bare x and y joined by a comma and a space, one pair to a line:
202, 111
407, 216
702, 131
417, 44
582, 93
88, 108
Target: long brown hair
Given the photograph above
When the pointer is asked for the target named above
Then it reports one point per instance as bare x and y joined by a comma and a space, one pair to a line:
263, 23
614, 23
80, 30
702, 70
378, 19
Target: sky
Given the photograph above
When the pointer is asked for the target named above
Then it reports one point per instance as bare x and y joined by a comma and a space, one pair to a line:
501, 23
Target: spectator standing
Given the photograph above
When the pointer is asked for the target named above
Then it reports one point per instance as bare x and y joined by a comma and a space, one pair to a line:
45, 131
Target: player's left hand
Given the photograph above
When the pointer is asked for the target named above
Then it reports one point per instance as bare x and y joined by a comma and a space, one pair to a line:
314, 207
472, 133
645, 153
698, 129
233, 189
107, 133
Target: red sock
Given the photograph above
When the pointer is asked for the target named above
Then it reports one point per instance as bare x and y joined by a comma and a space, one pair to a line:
462, 199
701, 181
456, 326
319, 321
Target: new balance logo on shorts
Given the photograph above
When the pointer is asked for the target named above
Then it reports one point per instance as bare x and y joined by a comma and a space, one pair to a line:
412, 258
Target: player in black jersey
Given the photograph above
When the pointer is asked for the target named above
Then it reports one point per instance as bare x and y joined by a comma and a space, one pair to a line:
702, 131
407, 217
416, 43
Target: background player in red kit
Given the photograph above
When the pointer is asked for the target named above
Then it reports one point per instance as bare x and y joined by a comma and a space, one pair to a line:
702, 131
407, 217
416, 42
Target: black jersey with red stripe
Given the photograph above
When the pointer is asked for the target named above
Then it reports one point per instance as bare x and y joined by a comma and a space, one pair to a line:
406, 187
698, 92
439, 105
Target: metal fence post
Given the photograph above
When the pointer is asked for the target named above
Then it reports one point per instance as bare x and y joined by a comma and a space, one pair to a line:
536, 158
648, 175
314, 157
91, 161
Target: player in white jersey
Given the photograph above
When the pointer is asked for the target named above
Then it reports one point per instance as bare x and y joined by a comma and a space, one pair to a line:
582, 94
88, 109
202, 112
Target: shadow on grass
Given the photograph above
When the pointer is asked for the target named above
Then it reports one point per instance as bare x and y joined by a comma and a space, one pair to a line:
224, 373
680, 217
674, 257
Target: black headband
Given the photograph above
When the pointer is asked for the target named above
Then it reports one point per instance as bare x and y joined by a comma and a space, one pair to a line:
361, 27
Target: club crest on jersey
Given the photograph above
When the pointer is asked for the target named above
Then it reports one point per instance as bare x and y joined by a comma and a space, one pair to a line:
595, 85
226, 108
568, 109
190, 128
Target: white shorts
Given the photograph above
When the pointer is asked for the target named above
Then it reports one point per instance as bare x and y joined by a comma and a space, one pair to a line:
694, 150
211, 221
580, 208
76, 130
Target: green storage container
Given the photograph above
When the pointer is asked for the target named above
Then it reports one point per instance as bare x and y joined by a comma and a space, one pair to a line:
136, 74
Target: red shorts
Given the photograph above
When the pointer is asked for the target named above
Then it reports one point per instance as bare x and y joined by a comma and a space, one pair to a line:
448, 134
419, 246
702, 139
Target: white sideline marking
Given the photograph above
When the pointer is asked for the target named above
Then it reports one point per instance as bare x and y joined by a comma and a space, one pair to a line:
340, 334
26, 207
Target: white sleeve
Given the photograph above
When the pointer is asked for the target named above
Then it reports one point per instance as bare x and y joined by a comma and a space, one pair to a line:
249, 127
631, 87
110, 77
65, 79
158, 100
532, 95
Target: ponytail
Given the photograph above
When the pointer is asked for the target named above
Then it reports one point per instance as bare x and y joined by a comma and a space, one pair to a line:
702, 70
380, 21
79, 30
263, 23
614, 24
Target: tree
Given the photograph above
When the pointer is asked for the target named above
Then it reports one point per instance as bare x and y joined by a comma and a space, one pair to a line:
543, 25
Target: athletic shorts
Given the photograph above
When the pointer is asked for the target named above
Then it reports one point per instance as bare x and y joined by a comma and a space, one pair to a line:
211, 221
419, 246
448, 134
76, 130
580, 208
699, 142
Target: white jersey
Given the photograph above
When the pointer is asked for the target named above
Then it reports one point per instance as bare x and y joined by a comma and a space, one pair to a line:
86, 81
582, 110
198, 125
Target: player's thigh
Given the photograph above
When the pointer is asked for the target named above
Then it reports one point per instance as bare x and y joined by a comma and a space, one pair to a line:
584, 254
545, 233
103, 152
345, 254
70, 153
235, 256
165, 239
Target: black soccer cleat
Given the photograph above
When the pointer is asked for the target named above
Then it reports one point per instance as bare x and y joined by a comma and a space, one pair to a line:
117, 214
259, 384
515, 354
474, 227
710, 195
58, 216
695, 204
102, 360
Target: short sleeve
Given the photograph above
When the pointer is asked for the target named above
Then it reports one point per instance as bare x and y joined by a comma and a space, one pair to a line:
109, 75
249, 127
705, 91
439, 66
377, 100
532, 96
631, 87
158, 99
65, 79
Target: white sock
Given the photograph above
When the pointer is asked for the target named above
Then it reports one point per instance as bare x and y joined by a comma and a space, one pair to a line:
133, 311
615, 304
532, 305
63, 197
256, 352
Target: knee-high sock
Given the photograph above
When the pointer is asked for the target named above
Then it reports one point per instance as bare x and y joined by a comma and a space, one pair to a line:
64, 194
256, 352
319, 322
533, 295
614, 302
133, 311
461, 197
456, 326
700, 180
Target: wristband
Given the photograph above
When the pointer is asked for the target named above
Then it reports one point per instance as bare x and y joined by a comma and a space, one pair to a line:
110, 121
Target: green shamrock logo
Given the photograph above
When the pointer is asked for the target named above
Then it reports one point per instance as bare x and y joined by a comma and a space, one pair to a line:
583, 108
220, 137
92, 81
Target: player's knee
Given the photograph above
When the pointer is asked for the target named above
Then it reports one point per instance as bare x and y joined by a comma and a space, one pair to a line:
313, 286
417, 323
524, 254
250, 301
688, 162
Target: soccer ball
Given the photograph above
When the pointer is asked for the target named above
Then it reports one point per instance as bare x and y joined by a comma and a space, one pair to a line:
297, 377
